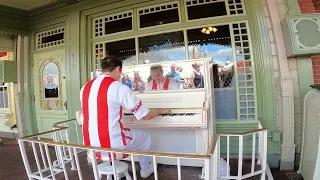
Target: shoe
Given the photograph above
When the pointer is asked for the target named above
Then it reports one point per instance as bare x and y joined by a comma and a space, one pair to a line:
147, 172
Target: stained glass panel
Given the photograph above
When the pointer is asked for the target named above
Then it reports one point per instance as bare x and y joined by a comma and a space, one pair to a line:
50, 86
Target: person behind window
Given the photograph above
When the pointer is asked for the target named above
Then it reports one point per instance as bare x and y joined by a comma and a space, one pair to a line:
196, 77
126, 80
174, 74
138, 84
159, 82
102, 101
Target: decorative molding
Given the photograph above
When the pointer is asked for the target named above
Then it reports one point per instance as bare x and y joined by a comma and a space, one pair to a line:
13, 21
295, 22
286, 108
287, 152
299, 29
286, 86
14, 31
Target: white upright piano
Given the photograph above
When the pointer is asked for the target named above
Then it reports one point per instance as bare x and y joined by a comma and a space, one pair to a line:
188, 129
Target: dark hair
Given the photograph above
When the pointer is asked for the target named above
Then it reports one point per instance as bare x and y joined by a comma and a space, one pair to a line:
154, 67
109, 63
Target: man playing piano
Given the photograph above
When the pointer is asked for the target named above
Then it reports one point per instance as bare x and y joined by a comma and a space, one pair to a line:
102, 101
160, 82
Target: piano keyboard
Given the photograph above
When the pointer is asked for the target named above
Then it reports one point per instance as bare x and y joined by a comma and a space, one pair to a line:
178, 118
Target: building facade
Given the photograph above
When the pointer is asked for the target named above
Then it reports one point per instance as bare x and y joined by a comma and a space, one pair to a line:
57, 47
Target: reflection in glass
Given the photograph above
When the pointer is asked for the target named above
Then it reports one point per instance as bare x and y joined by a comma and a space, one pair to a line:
217, 46
178, 74
138, 83
126, 80
196, 78
161, 48
124, 49
159, 81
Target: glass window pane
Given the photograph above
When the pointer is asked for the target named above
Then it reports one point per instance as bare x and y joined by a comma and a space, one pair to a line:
53, 38
206, 10
118, 25
162, 48
124, 49
215, 43
159, 18
4, 96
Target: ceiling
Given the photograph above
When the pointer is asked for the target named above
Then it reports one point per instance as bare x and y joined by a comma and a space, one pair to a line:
27, 5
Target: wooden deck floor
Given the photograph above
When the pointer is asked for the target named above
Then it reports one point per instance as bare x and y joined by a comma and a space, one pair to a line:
12, 168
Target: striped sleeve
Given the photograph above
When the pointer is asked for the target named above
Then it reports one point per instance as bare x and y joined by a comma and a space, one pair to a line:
130, 102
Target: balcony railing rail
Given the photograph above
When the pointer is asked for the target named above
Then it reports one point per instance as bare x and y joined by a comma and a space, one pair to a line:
65, 154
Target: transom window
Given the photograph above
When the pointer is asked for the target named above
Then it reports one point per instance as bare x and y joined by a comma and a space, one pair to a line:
112, 24
159, 15
164, 14
50, 38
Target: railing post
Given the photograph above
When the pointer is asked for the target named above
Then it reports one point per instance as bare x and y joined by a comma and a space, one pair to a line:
77, 163
179, 168
63, 163
49, 161
24, 158
240, 160
94, 164
155, 168
73, 167
264, 155
36, 158
133, 167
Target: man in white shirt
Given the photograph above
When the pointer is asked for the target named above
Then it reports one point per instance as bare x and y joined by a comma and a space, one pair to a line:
159, 82
102, 101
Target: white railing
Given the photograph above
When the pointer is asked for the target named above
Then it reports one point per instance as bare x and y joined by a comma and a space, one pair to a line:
64, 155
258, 156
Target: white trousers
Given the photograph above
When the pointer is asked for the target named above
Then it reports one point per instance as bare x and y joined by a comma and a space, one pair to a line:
141, 141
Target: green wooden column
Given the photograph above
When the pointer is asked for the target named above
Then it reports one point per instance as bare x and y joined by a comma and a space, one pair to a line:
264, 65
28, 92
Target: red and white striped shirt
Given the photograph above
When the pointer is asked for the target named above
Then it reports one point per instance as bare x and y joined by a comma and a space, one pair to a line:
102, 101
